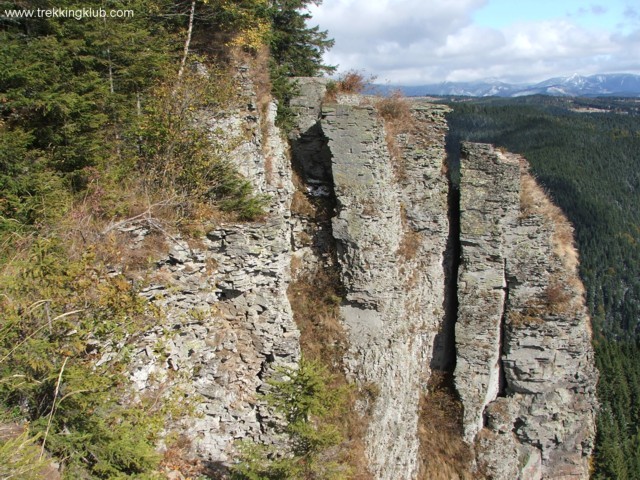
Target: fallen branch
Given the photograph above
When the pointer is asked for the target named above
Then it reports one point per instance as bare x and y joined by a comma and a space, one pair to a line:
145, 216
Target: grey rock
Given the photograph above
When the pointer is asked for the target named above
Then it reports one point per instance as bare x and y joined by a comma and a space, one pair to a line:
524, 372
227, 326
538, 338
393, 310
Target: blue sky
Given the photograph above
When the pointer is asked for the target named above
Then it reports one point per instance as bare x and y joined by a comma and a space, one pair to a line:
501, 13
424, 41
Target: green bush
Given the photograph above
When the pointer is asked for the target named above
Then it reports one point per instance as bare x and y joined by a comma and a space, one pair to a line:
311, 407
55, 311
181, 156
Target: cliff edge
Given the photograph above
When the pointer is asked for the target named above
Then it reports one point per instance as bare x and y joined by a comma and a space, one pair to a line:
525, 369
476, 284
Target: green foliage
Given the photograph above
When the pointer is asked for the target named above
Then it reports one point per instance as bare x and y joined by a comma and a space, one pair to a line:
20, 458
283, 89
96, 101
66, 87
181, 156
617, 453
311, 407
295, 46
591, 171
296, 49
58, 316
94, 123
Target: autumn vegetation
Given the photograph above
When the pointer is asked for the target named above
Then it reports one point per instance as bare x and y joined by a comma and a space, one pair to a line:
99, 125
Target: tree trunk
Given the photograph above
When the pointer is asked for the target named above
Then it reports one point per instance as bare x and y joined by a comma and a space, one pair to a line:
187, 42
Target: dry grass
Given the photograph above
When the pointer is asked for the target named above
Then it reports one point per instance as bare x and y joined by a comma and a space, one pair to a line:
528, 317
409, 246
534, 201
558, 297
395, 152
411, 240
261, 79
258, 63
301, 205
564, 294
351, 82
177, 458
395, 109
315, 300
396, 113
443, 453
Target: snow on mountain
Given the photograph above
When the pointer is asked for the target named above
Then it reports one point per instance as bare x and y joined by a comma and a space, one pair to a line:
624, 85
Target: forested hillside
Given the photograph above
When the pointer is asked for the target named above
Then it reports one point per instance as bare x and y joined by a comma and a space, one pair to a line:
585, 152
98, 123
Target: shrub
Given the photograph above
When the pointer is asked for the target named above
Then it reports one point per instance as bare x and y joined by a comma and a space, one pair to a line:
182, 157
20, 458
60, 314
309, 404
395, 108
352, 82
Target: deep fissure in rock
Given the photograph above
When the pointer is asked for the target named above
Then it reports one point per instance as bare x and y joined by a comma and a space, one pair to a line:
311, 162
316, 291
502, 379
444, 348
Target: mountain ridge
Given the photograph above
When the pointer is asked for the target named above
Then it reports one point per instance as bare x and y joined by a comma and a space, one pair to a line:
618, 84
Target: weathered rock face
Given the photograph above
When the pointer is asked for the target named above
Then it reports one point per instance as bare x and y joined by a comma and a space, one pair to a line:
391, 236
389, 233
228, 321
489, 204
524, 365
522, 318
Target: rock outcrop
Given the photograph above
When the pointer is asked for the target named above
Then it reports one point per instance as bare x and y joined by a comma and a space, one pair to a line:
227, 320
525, 368
383, 218
489, 203
391, 237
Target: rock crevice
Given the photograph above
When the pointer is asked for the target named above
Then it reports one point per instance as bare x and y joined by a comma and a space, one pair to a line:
482, 279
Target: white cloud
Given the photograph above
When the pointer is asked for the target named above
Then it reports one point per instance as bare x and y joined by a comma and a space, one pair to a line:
412, 42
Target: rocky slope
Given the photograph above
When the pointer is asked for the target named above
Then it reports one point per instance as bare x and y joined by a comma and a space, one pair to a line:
523, 362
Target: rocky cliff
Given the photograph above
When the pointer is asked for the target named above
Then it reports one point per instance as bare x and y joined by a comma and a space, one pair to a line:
483, 286
525, 369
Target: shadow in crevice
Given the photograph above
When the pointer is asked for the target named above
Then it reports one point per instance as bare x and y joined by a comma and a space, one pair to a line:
444, 349
315, 198
502, 377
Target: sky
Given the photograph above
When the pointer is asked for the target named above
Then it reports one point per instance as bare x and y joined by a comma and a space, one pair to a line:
413, 42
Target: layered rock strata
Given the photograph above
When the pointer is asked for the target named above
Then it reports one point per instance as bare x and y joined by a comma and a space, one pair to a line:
522, 319
227, 320
489, 204
383, 220
391, 237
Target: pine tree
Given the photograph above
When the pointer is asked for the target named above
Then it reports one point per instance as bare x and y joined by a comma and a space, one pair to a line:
294, 46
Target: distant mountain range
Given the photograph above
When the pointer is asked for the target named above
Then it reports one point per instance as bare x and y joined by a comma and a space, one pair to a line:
621, 85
